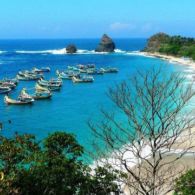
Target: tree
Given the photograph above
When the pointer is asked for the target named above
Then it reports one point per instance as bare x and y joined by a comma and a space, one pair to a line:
141, 138
53, 166
185, 185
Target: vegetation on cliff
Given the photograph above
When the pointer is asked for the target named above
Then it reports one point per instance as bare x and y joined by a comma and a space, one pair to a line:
53, 166
171, 45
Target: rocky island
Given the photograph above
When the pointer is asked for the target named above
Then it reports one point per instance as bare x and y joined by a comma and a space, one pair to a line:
106, 44
71, 49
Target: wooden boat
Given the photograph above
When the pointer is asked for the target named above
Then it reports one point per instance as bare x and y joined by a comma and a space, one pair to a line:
40, 88
51, 81
4, 90
9, 100
7, 84
43, 69
26, 78
49, 84
80, 66
73, 68
95, 72
109, 70
47, 88
15, 80
66, 74
42, 95
83, 79
63, 75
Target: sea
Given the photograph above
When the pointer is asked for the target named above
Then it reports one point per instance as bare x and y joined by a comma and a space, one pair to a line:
74, 105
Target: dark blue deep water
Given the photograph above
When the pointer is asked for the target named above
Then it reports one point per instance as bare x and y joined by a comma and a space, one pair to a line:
75, 104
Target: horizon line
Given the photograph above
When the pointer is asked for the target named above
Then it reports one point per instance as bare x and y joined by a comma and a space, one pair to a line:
71, 38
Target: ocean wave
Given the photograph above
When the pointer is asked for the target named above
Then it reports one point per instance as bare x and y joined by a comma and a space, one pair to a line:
1, 52
63, 51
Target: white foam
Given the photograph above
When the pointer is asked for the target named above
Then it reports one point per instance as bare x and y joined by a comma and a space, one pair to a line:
2, 51
81, 51
119, 51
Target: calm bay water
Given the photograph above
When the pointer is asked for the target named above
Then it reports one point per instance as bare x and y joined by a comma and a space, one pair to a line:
75, 104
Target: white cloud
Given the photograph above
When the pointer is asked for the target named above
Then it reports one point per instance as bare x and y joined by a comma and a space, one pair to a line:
147, 27
118, 26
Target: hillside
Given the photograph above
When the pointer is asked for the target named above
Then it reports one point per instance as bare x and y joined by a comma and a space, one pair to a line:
171, 45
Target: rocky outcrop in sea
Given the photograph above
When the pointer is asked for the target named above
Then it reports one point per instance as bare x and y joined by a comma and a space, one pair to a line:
106, 44
71, 49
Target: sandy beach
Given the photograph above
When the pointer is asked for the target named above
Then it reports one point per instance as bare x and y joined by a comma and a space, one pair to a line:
172, 59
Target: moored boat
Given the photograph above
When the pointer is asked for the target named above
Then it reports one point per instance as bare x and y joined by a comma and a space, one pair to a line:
42, 95
41, 70
82, 79
4, 90
15, 80
19, 101
47, 87
109, 70
9, 84
95, 72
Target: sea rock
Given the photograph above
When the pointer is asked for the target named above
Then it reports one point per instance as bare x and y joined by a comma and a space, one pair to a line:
106, 44
71, 49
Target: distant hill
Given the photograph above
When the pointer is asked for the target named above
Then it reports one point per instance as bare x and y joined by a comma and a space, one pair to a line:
171, 45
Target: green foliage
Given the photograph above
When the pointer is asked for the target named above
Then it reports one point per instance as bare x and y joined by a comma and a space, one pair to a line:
172, 45
185, 185
51, 167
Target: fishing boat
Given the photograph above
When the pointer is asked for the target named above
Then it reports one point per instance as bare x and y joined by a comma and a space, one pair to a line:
62, 75
42, 95
23, 98
40, 88
109, 70
82, 79
72, 68
47, 88
67, 74
7, 84
56, 82
27, 78
4, 90
19, 101
43, 69
15, 80
95, 72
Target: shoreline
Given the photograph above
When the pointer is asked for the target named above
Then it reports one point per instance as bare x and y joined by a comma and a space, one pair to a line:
171, 59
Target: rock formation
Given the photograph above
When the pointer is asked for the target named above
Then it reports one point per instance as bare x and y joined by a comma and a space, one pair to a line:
71, 49
106, 44
154, 42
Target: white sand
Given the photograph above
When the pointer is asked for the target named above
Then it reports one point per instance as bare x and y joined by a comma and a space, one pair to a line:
172, 59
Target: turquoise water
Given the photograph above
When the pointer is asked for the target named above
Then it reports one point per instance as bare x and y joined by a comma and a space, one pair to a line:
71, 108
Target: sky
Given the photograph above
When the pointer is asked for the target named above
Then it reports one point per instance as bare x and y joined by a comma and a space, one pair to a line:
29, 19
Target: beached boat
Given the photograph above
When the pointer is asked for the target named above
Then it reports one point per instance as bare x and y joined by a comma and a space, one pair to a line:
19, 101
4, 90
82, 79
